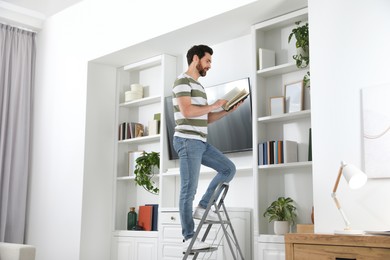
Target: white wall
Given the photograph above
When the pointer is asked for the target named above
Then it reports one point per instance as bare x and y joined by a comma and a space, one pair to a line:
349, 51
98, 163
65, 45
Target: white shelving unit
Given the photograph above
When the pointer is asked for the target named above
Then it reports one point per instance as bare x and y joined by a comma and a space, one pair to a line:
270, 181
289, 179
154, 74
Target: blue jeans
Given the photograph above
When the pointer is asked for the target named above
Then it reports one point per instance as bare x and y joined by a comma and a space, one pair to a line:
192, 154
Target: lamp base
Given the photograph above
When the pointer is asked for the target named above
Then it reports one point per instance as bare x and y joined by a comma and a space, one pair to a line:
351, 232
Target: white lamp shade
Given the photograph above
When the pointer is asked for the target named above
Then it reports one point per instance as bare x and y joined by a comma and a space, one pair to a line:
355, 177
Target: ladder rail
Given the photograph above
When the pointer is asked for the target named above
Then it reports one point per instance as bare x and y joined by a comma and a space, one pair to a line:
221, 192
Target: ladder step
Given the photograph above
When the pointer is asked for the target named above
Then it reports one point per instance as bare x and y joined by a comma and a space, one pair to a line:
206, 250
224, 221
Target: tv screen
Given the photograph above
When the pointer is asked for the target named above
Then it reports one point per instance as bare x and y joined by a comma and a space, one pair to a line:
232, 133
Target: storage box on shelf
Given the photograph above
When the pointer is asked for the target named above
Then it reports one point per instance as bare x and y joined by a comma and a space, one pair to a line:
153, 74
292, 179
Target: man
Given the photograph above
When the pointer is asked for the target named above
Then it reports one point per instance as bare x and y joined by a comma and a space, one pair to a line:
192, 114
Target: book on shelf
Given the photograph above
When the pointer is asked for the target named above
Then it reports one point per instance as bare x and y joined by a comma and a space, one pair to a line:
145, 217
124, 131
277, 152
153, 127
233, 97
136, 129
290, 149
154, 216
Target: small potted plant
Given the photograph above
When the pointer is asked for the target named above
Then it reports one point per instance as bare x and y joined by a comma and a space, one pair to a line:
302, 58
283, 212
145, 168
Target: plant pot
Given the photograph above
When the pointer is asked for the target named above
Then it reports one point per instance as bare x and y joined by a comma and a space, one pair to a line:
281, 227
301, 51
302, 55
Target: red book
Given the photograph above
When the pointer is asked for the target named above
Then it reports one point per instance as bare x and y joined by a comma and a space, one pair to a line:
145, 217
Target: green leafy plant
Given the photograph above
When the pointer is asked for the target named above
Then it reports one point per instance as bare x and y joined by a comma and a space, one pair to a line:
301, 34
281, 209
302, 58
145, 170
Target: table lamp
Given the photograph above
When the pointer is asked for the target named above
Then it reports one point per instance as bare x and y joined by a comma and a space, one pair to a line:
355, 179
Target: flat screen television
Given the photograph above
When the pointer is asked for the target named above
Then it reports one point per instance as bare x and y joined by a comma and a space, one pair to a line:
232, 133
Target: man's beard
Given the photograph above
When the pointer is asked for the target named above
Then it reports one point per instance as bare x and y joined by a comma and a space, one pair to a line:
201, 70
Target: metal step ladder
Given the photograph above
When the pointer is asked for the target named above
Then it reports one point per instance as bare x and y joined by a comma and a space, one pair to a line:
225, 223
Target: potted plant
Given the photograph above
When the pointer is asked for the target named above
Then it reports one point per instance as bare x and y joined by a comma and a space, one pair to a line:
145, 168
283, 212
302, 58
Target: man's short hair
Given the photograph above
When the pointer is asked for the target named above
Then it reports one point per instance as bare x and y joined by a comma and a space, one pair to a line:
199, 50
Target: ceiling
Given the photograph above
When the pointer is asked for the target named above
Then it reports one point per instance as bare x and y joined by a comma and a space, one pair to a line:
45, 7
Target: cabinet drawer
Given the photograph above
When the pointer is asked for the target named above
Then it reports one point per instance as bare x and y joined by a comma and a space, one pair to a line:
322, 252
170, 218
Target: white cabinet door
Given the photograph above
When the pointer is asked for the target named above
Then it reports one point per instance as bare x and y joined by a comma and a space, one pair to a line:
134, 248
271, 251
122, 248
145, 249
241, 222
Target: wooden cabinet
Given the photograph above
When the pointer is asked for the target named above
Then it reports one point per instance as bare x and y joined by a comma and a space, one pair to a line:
338, 247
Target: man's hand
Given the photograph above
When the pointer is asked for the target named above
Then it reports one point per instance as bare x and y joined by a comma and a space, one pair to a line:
219, 103
236, 106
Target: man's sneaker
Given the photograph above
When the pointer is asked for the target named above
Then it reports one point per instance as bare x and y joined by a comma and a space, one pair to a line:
198, 245
199, 212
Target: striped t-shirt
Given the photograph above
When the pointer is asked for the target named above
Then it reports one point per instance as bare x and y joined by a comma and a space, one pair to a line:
191, 127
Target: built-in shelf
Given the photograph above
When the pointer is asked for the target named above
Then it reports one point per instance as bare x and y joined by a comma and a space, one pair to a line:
128, 178
277, 70
143, 139
135, 233
286, 165
265, 238
205, 171
144, 64
285, 117
141, 102
125, 178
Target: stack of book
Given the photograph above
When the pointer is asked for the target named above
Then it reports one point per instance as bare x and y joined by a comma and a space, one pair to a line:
148, 216
277, 151
130, 130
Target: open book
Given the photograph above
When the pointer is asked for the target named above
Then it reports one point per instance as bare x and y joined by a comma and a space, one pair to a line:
233, 97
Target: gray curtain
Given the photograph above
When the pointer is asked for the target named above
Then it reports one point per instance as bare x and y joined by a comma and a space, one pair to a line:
17, 64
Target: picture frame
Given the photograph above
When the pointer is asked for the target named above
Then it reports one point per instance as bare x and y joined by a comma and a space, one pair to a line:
376, 130
293, 94
276, 105
132, 157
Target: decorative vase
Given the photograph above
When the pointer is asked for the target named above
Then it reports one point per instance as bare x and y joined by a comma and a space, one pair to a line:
131, 219
281, 227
